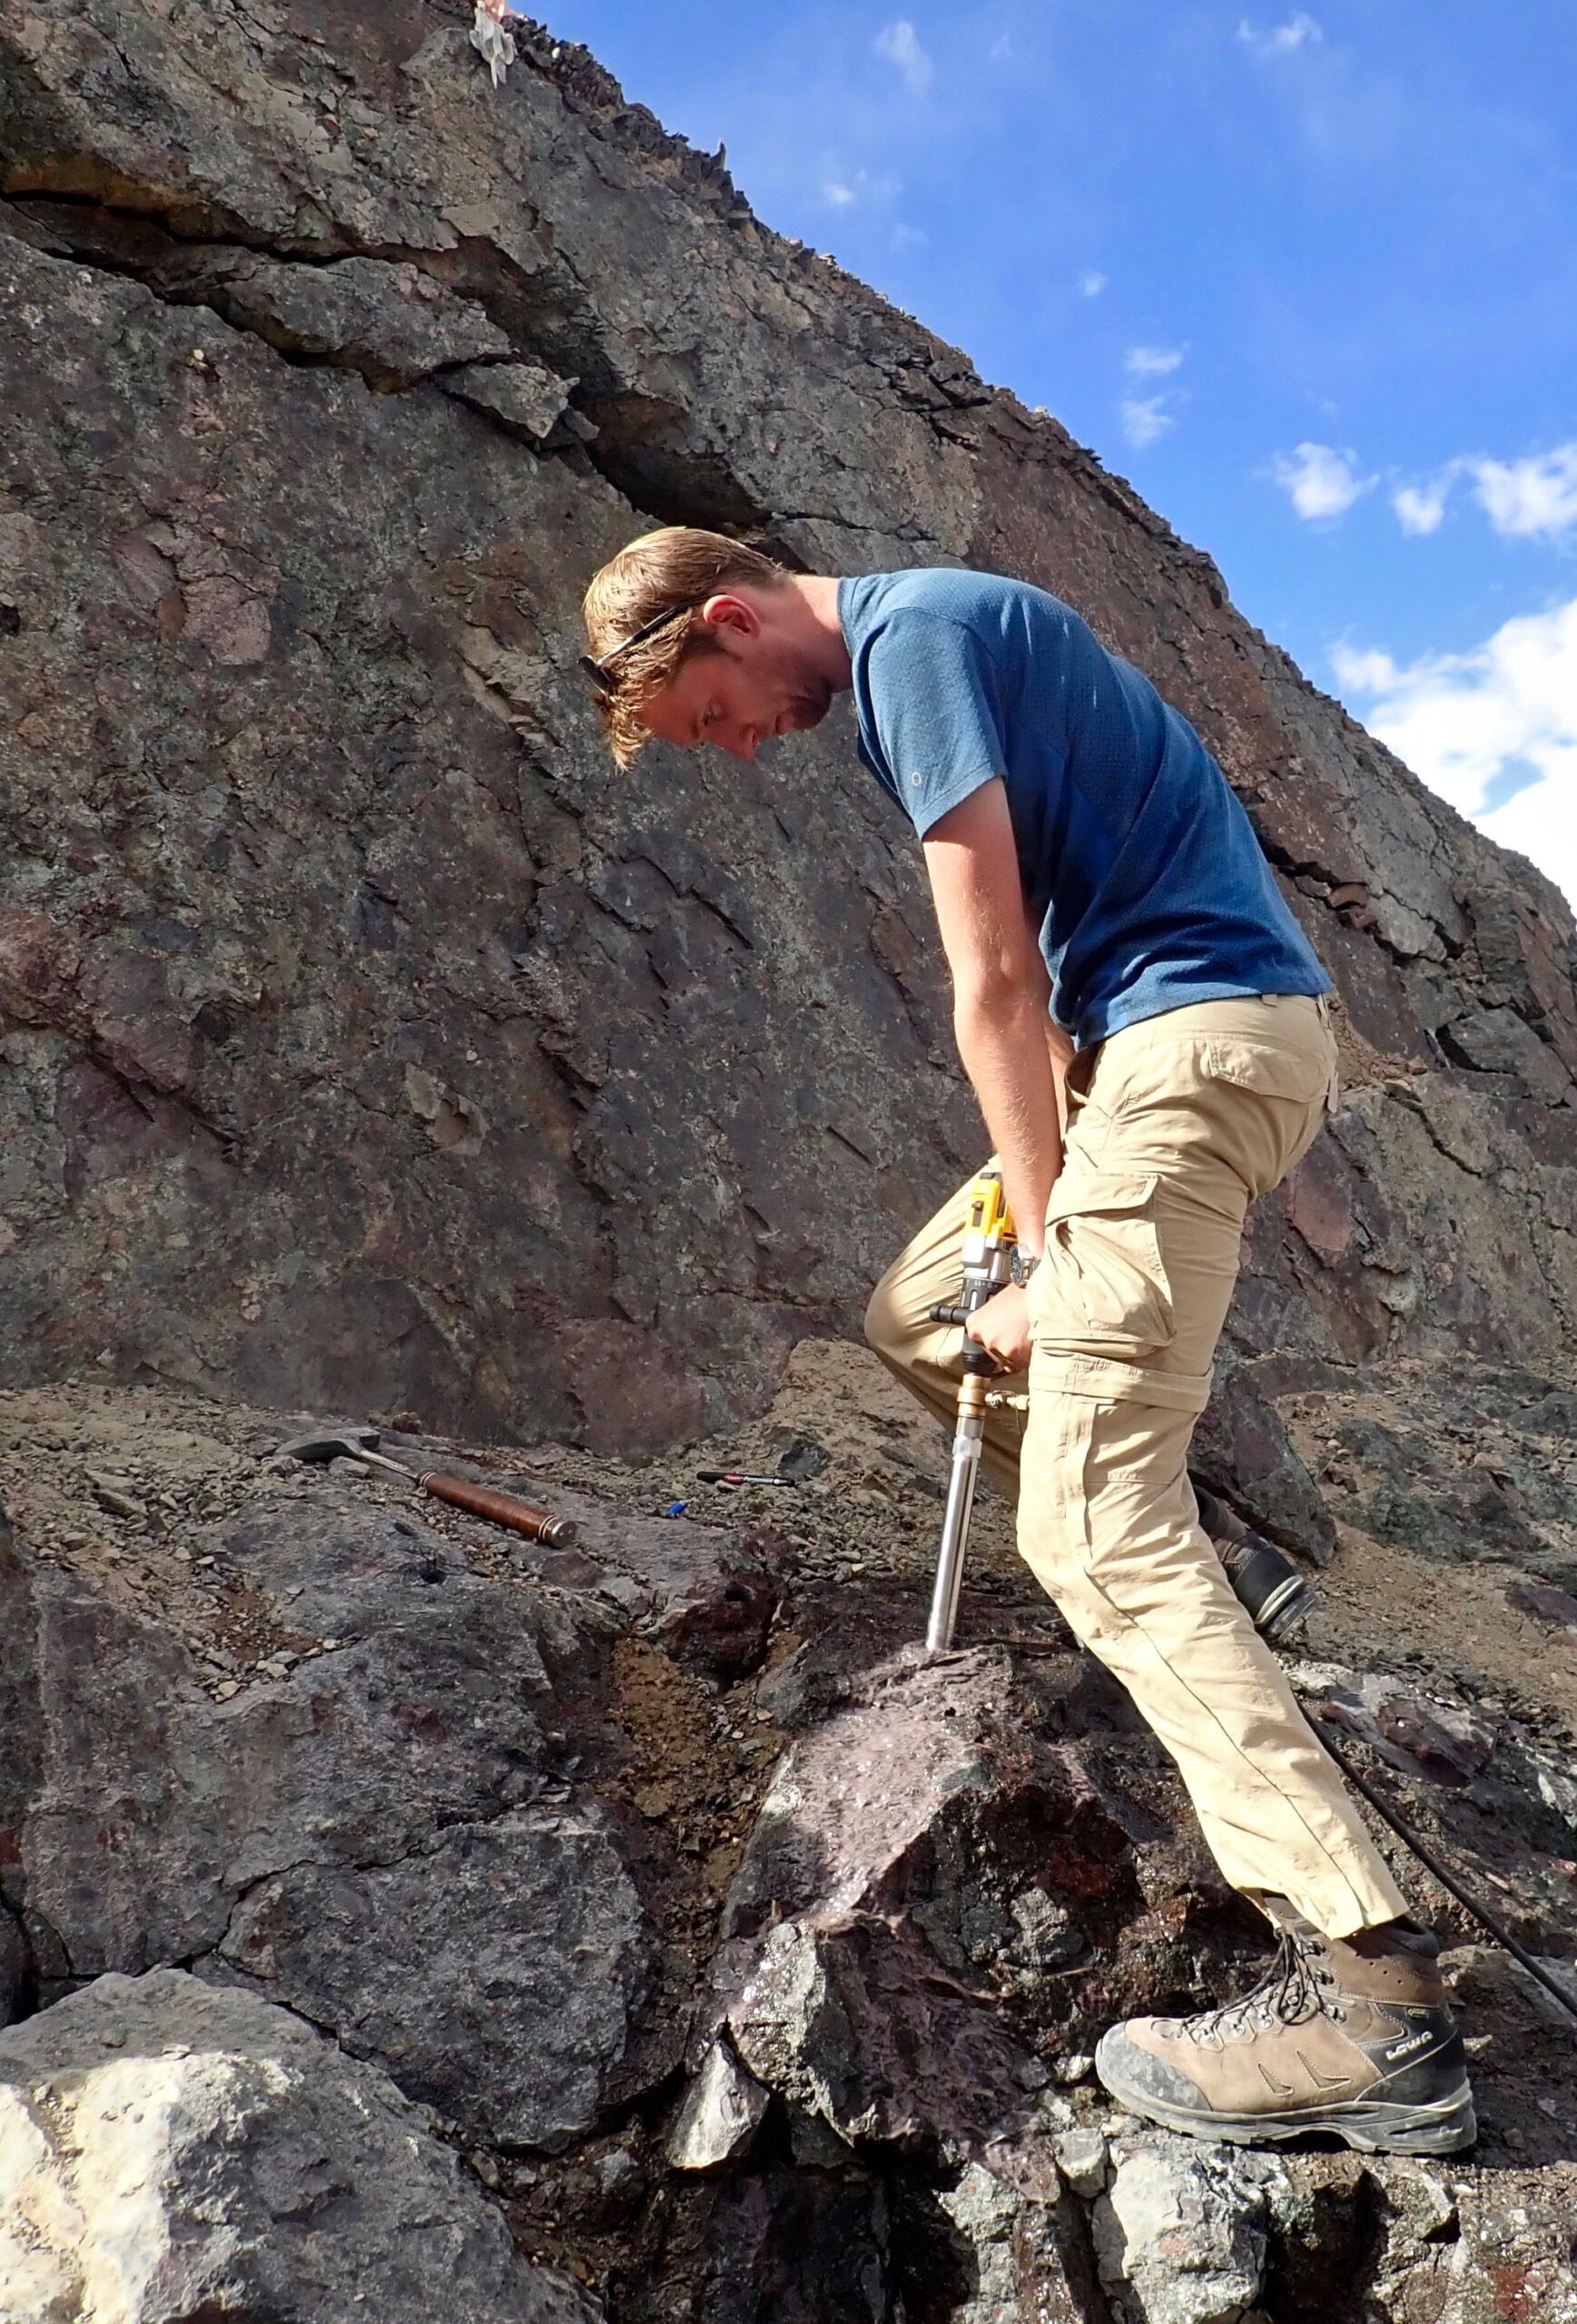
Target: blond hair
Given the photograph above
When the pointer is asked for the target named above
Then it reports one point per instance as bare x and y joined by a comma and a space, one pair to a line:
676, 568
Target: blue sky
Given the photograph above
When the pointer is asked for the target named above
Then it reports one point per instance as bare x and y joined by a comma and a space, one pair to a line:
1308, 277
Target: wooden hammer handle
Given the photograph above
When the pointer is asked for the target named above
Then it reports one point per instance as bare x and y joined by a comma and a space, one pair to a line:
501, 1508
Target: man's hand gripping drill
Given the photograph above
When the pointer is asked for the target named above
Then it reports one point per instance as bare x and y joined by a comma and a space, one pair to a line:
994, 1342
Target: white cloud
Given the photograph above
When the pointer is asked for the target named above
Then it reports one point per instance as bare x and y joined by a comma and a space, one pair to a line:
1494, 731
899, 43
1153, 362
1319, 481
1365, 669
1000, 51
1146, 420
1091, 283
858, 185
1281, 40
1421, 507
1530, 498
1526, 499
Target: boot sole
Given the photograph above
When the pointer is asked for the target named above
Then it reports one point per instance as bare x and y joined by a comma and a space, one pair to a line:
1371, 2125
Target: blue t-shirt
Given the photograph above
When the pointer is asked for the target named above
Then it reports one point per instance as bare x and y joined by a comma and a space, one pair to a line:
1138, 864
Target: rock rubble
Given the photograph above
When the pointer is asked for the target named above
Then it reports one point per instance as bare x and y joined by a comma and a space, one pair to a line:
748, 1960
396, 1916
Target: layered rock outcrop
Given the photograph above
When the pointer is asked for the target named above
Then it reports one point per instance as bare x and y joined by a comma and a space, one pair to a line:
367, 1039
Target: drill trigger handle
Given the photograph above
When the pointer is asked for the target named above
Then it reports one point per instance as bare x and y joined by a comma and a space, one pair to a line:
976, 1358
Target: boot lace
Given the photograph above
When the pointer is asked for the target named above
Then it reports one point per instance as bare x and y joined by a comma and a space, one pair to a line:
1297, 1986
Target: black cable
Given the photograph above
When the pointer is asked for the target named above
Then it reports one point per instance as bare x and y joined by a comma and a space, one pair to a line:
1447, 1880
1426, 1857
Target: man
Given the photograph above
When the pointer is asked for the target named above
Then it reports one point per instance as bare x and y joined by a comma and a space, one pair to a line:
1116, 939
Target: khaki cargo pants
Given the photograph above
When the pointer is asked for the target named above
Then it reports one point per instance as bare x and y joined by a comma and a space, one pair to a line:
1175, 1126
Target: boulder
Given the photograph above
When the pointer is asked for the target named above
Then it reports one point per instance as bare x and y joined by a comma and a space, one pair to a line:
380, 1836
722, 2112
169, 2150
1019, 2259
1181, 2235
793, 2247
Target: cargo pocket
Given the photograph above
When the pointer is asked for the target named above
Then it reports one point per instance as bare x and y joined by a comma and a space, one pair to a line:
1300, 1088
1105, 1284
1270, 1070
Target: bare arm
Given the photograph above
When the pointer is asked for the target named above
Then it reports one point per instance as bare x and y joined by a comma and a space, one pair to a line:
1008, 1048
1058, 1044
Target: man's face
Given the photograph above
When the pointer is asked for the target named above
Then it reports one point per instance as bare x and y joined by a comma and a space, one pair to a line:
754, 681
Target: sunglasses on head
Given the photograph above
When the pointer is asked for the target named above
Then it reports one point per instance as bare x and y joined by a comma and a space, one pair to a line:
594, 667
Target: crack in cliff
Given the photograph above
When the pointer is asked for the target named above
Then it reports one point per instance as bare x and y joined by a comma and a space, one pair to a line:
1351, 911
1353, 902
633, 441
1405, 1096
26, 2000
230, 1142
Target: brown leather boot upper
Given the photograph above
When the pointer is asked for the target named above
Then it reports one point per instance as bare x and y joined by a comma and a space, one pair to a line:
1397, 1964
1354, 2034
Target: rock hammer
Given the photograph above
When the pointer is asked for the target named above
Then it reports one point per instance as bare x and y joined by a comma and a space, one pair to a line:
481, 1501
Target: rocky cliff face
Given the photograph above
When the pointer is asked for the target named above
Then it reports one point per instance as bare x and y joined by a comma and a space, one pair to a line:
368, 1040
368, 1045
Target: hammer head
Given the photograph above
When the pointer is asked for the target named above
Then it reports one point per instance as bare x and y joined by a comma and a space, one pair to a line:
344, 1445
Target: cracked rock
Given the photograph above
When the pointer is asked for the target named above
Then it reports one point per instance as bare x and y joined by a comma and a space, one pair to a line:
393, 324
169, 2150
495, 1974
722, 2111
1025, 2260
1082, 2159
526, 400
356, 1836
1180, 2237
893, 1852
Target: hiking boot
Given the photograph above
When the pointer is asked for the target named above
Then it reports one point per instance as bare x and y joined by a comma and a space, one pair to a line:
1355, 2036
1276, 1595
